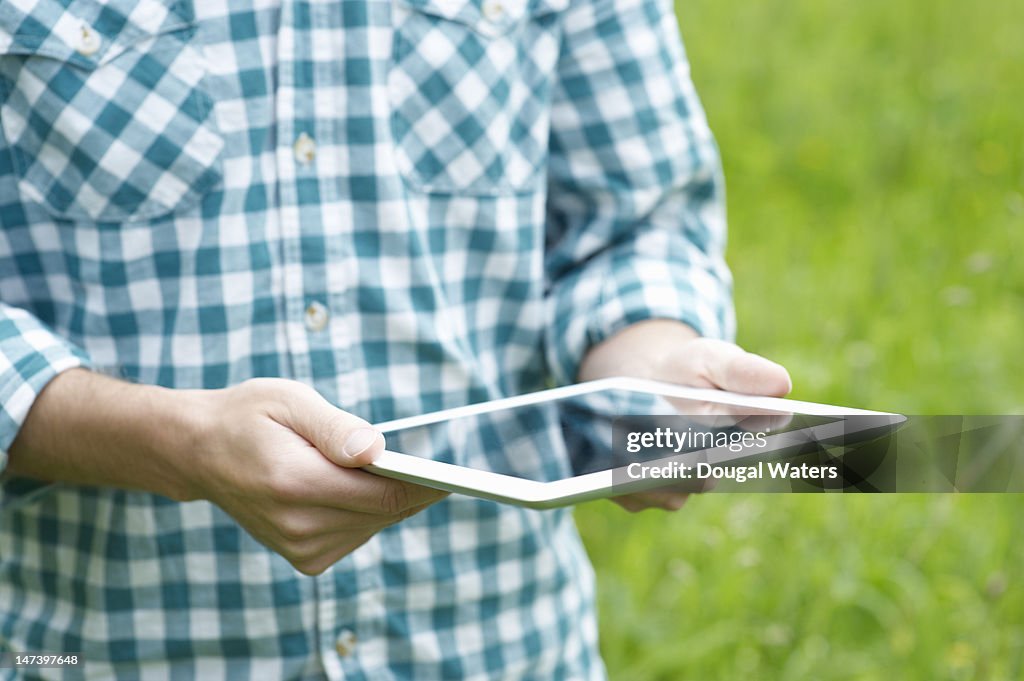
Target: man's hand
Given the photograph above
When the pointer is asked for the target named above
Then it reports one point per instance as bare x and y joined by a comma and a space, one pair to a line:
272, 453
671, 351
282, 461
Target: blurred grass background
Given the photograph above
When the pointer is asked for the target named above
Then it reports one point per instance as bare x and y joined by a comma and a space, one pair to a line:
874, 153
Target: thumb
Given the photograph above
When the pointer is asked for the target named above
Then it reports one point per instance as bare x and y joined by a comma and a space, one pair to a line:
343, 438
728, 367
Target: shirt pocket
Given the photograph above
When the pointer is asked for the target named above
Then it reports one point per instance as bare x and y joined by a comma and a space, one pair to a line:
470, 89
103, 107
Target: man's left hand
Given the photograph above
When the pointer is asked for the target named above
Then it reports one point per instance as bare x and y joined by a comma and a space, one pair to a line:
670, 351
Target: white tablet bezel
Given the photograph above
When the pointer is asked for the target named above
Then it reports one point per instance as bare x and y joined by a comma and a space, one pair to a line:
540, 495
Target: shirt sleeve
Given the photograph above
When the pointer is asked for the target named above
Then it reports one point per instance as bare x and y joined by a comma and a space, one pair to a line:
30, 356
636, 216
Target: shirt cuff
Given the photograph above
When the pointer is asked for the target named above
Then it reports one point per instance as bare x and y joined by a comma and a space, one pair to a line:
30, 356
605, 297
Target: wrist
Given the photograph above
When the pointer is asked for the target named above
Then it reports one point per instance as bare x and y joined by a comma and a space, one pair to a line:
183, 424
89, 429
647, 349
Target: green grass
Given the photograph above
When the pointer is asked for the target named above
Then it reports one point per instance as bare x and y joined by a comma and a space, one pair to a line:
779, 587
874, 153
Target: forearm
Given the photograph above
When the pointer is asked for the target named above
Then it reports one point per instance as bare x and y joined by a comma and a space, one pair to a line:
90, 429
636, 219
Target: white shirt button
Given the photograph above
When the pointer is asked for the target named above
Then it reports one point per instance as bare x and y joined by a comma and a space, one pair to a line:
346, 643
494, 10
89, 41
305, 149
316, 316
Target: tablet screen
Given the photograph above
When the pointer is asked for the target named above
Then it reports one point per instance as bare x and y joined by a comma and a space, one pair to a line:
602, 430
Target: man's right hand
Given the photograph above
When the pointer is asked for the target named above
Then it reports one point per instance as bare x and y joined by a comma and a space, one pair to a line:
281, 460
272, 453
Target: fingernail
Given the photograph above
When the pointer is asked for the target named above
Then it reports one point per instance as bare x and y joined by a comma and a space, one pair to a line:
359, 440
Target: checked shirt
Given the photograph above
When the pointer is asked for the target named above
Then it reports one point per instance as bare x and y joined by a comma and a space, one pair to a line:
407, 204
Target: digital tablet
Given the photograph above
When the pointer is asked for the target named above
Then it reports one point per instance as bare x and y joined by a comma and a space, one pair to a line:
612, 437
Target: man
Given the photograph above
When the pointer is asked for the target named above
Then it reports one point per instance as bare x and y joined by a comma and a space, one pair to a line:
387, 207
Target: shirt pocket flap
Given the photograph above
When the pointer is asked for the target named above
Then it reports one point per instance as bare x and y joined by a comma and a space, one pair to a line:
86, 33
490, 17
104, 108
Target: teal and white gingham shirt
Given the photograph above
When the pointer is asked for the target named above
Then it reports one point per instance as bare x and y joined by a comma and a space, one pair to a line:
407, 204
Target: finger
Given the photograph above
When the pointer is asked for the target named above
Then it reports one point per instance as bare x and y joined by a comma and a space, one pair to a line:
758, 421
394, 498
721, 415
300, 524
317, 481
320, 551
669, 501
318, 555
729, 367
630, 503
345, 439
639, 501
